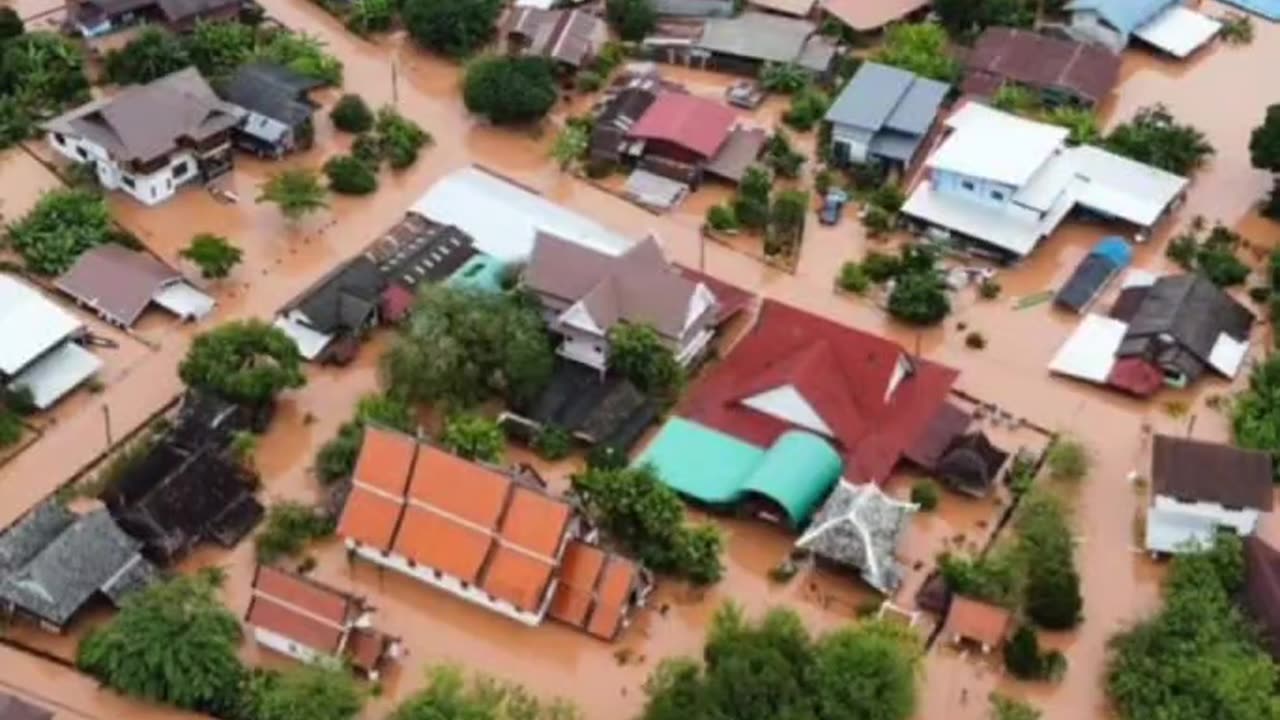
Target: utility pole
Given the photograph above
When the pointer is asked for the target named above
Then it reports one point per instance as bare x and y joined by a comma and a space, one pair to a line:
106, 422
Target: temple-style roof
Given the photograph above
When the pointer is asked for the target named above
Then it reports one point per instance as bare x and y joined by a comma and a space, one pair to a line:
860, 526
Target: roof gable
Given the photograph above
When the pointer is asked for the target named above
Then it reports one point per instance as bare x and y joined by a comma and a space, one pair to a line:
1025, 145
694, 123
787, 404
1209, 472
884, 97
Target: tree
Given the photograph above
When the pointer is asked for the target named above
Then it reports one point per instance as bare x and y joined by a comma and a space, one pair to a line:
1082, 123
218, 48
919, 298
370, 16
774, 669
310, 692
921, 48
297, 192
635, 508
1051, 592
1264, 152
553, 443
1007, 708
449, 695
1068, 459
509, 90
336, 459
1198, 657
633, 20
16, 124
571, 144
1255, 412
399, 138
213, 254
966, 18
174, 643
44, 72
453, 27
351, 114
10, 24
993, 577
1022, 657
302, 53
808, 106
1156, 138
349, 175
10, 427
786, 221
62, 225
474, 437
784, 78
289, 527
751, 204
245, 361
153, 54
459, 347
638, 353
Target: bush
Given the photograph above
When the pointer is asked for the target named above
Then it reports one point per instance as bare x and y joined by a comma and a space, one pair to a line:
1154, 137
638, 353
474, 437
975, 340
1006, 708
370, 16
151, 55
16, 123
888, 197
992, 578
10, 427
1022, 654
881, 267
751, 204
633, 20
349, 175
588, 81
807, 109
989, 289
336, 459
367, 149
925, 494
288, 529
606, 457
785, 78
553, 443
399, 138
301, 53
61, 226
509, 90
853, 278
877, 221
245, 361
921, 48
454, 27
351, 114
919, 298
722, 218
1068, 459
1051, 591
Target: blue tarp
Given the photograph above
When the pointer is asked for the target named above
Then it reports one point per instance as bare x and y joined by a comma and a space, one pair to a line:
1269, 9
1115, 249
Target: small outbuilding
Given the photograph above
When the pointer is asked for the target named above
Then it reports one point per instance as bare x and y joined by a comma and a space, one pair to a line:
859, 527
119, 284
598, 591
279, 109
1103, 263
971, 464
978, 622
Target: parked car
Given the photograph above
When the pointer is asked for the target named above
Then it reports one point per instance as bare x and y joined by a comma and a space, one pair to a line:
832, 207
745, 94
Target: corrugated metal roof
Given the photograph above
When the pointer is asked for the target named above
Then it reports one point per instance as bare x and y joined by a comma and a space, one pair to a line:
30, 324
1124, 15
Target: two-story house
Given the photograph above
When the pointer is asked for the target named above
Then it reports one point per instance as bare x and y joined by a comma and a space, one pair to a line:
585, 293
883, 116
1199, 489
1000, 184
151, 139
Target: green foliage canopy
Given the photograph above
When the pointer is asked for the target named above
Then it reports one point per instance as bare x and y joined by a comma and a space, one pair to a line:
245, 361
509, 90
62, 225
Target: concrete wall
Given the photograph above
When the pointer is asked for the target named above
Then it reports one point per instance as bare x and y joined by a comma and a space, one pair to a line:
856, 140
151, 189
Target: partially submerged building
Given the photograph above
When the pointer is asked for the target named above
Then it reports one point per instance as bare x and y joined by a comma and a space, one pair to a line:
568, 37
1166, 25
999, 184
974, 621
40, 351
746, 43
149, 140
93, 18
883, 115
119, 284
595, 408
416, 252
1199, 489
1060, 71
597, 590
327, 320
278, 109
484, 535
309, 621
859, 527
54, 562
1102, 265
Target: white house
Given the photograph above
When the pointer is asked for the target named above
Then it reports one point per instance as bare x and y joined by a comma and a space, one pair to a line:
1000, 184
1200, 489
1163, 24
38, 351
149, 140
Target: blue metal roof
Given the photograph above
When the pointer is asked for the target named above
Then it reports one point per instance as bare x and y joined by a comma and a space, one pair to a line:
1115, 249
881, 96
1124, 15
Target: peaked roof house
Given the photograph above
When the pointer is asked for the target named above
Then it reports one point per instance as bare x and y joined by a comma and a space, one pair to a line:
341, 305
1063, 72
568, 37
149, 140
883, 115
859, 526
597, 590
92, 18
871, 15
1163, 24
481, 534
584, 293
312, 622
867, 396
120, 284
743, 44
1261, 597
1199, 489
1002, 204
277, 108
39, 351
53, 562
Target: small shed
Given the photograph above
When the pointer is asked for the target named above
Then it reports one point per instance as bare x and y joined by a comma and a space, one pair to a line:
859, 526
975, 621
971, 464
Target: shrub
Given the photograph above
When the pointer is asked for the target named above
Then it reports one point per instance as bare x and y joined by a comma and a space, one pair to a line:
553, 442
881, 267
877, 221
751, 204
633, 20
921, 48
888, 197
989, 289
822, 181
509, 90
925, 494
10, 427
399, 138
853, 278
454, 27
807, 108
588, 81
151, 55
61, 226
975, 340
289, 527
367, 149
1022, 656
1068, 459
301, 53
370, 16
637, 353
785, 78
919, 298
213, 254
474, 437
351, 114
349, 175
1155, 137
722, 218
606, 457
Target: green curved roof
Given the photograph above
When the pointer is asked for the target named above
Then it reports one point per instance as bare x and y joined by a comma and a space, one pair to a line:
718, 469
797, 473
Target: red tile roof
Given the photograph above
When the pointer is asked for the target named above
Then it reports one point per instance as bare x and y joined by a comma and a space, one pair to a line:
301, 610
978, 621
692, 122
517, 577
841, 372
1027, 57
594, 590
468, 491
385, 459
535, 522
437, 542
370, 518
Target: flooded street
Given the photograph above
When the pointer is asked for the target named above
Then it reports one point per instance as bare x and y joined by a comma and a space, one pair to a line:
1120, 583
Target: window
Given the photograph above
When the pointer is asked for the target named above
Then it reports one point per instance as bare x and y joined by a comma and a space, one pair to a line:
180, 169
83, 155
59, 138
968, 185
128, 182
599, 350
997, 195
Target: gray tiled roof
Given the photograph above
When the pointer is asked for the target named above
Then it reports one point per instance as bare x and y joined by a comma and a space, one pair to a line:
27, 537
91, 554
860, 526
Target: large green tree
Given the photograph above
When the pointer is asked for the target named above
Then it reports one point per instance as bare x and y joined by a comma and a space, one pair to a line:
453, 27
1255, 412
154, 53
474, 437
921, 48
966, 18
10, 24
1264, 151
635, 508
213, 254
172, 643
509, 90
218, 48
1198, 657
919, 298
633, 20
297, 192
304, 692
1155, 137
773, 669
450, 695
1052, 585
459, 347
62, 225
638, 353
245, 361
44, 71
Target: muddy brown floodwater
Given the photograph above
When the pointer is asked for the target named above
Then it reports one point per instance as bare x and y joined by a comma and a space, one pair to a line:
1217, 91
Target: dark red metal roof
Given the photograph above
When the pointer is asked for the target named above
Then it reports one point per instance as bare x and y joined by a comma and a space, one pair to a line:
1136, 377
841, 372
692, 122
1030, 58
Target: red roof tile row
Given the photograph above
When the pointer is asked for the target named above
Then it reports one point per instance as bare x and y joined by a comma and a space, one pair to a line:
594, 590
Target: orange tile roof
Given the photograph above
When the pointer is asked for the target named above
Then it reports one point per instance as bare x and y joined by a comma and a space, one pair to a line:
430, 539
535, 522
459, 487
277, 618
611, 597
978, 621
385, 459
307, 595
517, 577
575, 592
369, 518
365, 648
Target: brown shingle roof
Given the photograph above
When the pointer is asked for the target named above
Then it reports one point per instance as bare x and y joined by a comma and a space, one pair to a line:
1026, 57
978, 621
1209, 472
117, 281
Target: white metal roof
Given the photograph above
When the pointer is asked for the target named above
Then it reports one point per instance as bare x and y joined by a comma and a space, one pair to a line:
1228, 354
183, 300
787, 404
1123, 188
30, 324
57, 373
310, 342
1169, 531
1090, 352
1137, 277
994, 145
1179, 31
503, 217
1006, 228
